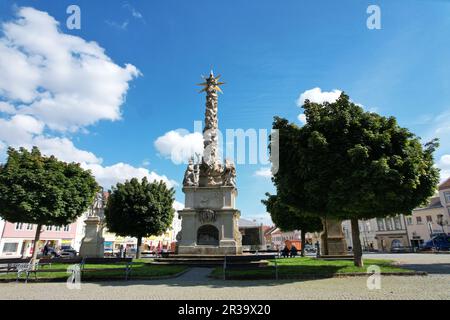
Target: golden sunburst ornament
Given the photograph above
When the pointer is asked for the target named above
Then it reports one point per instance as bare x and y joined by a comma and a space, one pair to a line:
211, 83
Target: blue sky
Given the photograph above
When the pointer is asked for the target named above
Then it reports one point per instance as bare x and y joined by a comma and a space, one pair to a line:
268, 53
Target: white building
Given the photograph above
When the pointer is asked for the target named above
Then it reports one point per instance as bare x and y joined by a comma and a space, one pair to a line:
431, 219
368, 231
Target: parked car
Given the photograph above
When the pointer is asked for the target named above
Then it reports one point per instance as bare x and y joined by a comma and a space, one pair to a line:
309, 248
67, 252
439, 242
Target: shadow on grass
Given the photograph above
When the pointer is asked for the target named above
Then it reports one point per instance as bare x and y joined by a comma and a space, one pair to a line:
435, 268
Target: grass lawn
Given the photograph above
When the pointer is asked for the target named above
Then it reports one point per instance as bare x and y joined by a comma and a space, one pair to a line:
291, 268
140, 270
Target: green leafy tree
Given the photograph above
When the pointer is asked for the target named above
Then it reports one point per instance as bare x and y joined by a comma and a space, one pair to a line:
140, 209
350, 164
43, 190
289, 219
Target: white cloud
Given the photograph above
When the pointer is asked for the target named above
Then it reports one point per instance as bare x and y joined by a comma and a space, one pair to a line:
62, 80
135, 13
121, 26
179, 145
178, 205
264, 172
50, 80
444, 165
64, 149
302, 118
111, 175
7, 107
318, 96
20, 129
263, 218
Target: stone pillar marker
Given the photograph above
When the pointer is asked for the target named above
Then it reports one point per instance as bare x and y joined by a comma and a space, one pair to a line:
333, 242
92, 245
210, 220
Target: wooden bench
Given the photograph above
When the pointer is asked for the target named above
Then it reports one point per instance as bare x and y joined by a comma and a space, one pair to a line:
24, 266
99, 261
8, 265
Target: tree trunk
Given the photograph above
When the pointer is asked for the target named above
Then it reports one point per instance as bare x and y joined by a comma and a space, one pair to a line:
303, 237
325, 237
138, 249
357, 250
35, 244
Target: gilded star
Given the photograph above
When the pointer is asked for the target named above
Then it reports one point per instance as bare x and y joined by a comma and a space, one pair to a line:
212, 83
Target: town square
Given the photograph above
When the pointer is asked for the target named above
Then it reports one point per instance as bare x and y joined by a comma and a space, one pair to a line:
193, 150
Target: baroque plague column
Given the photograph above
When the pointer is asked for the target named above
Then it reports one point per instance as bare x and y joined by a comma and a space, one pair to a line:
210, 220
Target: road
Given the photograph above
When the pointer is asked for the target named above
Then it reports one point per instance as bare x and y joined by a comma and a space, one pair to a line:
196, 285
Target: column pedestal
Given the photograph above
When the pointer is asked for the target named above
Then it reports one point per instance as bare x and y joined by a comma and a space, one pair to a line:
92, 244
333, 244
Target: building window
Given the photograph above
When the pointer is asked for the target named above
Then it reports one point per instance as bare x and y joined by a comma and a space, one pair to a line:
409, 221
57, 228
389, 224
429, 219
49, 228
29, 226
380, 224
19, 226
10, 247
447, 197
419, 220
397, 223
67, 228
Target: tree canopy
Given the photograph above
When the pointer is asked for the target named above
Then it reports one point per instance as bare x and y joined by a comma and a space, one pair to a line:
288, 218
352, 164
348, 163
43, 190
140, 209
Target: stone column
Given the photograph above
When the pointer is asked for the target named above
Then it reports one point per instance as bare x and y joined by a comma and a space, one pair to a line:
92, 244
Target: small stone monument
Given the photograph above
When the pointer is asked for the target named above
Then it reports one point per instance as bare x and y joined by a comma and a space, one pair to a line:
333, 240
92, 245
210, 220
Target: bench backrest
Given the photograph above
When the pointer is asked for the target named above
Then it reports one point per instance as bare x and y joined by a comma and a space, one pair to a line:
107, 260
18, 260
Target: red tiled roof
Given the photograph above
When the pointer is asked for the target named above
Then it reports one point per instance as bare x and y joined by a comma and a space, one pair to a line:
445, 185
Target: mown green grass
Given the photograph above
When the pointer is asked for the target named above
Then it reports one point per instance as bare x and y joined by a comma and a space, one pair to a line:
139, 270
298, 267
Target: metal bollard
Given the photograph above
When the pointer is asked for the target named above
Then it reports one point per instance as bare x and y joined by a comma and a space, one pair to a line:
276, 268
224, 267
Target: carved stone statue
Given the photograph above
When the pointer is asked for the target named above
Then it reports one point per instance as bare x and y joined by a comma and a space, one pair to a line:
189, 175
229, 174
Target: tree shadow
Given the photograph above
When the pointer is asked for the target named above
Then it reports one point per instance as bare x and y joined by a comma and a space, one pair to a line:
435, 268
249, 278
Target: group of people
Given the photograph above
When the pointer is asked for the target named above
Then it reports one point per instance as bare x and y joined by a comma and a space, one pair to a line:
286, 252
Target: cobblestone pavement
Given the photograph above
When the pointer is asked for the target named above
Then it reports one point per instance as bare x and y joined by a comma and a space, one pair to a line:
417, 287
195, 285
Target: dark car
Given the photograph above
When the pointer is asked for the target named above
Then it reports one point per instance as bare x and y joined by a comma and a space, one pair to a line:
439, 242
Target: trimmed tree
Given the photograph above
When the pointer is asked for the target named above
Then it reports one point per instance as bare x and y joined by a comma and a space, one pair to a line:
43, 190
346, 163
140, 209
289, 219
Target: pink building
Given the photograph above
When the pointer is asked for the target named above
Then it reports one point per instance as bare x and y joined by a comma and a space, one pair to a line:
17, 238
